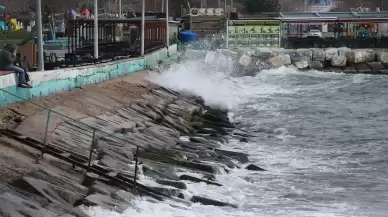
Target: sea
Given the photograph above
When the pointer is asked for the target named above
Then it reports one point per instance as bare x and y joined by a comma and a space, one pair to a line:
322, 137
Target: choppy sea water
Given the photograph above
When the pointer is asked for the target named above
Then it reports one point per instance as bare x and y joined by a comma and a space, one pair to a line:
322, 136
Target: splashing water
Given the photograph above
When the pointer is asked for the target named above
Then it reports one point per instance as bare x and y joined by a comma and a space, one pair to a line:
320, 135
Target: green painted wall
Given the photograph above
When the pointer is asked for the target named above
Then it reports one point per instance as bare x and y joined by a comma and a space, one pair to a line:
49, 82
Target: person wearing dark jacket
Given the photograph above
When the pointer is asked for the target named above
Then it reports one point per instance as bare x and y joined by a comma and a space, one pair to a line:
7, 60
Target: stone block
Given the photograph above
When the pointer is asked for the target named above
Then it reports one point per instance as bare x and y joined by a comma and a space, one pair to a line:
330, 53
343, 50
318, 54
210, 57
357, 56
307, 53
338, 61
317, 65
304, 64
245, 60
382, 57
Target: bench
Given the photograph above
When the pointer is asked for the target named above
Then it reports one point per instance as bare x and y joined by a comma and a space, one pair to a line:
2, 73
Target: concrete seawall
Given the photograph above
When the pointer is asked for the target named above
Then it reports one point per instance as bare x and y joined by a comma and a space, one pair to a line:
53, 81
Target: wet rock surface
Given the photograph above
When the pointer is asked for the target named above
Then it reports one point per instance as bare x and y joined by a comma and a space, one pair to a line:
143, 139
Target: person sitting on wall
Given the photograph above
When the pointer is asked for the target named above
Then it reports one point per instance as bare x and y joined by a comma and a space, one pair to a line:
7, 60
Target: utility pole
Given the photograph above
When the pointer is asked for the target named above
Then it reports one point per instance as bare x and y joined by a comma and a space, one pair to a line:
305, 5
167, 29
95, 30
142, 27
40, 34
120, 9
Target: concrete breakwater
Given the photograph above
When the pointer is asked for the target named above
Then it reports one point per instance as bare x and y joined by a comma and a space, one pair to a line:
246, 61
155, 124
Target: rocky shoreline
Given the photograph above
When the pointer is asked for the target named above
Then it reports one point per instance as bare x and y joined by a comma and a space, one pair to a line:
248, 62
164, 135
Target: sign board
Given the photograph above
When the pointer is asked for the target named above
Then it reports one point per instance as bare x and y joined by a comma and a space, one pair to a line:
254, 33
206, 11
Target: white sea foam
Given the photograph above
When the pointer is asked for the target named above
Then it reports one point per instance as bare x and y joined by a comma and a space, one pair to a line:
273, 193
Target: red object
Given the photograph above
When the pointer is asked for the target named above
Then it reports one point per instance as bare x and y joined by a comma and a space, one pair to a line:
85, 12
8, 18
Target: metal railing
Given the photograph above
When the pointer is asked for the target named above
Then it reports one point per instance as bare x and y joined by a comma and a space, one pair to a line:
342, 41
95, 136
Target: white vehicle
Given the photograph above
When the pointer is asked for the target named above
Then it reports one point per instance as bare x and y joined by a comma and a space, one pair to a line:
315, 33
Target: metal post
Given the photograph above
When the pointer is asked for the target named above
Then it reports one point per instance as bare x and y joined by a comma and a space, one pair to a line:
95, 30
162, 6
225, 14
167, 29
142, 27
305, 5
40, 35
46, 132
136, 162
120, 9
92, 147
227, 34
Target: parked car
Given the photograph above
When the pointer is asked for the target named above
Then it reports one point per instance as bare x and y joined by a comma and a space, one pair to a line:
315, 33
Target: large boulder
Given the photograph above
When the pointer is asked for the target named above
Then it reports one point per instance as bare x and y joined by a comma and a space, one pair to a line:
175, 184
307, 53
105, 202
245, 60
357, 56
382, 57
17, 205
279, 60
278, 51
304, 64
227, 52
275, 62
207, 201
286, 59
241, 157
123, 196
318, 54
330, 53
296, 56
317, 65
262, 56
210, 57
247, 51
370, 55
254, 168
250, 71
226, 58
195, 54
113, 164
338, 61
342, 51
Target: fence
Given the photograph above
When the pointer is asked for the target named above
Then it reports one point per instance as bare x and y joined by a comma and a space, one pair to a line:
117, 38
81, 153
350, 42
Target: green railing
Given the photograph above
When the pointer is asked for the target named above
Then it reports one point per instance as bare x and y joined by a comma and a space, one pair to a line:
83, 127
